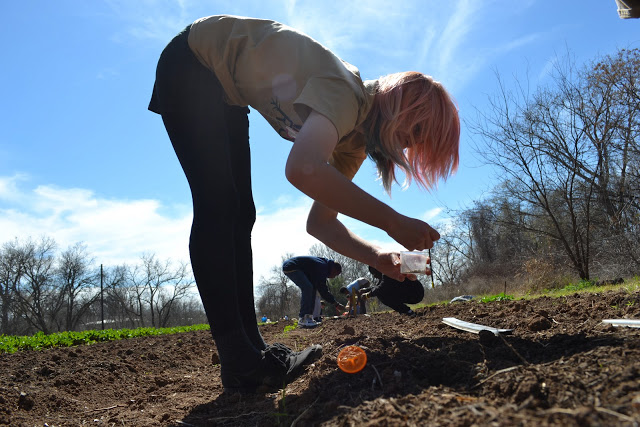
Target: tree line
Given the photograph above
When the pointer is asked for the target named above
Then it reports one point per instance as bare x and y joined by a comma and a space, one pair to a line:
568, 201
44, 290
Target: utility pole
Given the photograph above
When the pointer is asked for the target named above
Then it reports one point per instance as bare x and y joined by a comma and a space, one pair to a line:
101, 297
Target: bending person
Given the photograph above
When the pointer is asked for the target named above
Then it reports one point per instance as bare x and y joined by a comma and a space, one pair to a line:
310, 274
206, 78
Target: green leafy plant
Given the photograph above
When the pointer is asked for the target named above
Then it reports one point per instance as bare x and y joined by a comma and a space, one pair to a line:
500, 297
583, 284
288, 328
41, 341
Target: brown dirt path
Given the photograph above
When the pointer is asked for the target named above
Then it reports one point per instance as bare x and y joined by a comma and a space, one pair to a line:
560, 366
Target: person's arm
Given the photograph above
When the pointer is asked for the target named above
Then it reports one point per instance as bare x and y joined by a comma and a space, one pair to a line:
324, 225
308, 170
323, 290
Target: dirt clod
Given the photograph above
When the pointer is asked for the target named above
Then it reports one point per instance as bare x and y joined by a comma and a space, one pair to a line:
488, 338
539, 323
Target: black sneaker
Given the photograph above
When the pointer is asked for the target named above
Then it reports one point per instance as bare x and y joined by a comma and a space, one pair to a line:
297, 360
277, 347
279, 366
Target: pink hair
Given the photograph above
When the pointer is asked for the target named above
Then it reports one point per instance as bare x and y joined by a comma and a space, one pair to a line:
414, 125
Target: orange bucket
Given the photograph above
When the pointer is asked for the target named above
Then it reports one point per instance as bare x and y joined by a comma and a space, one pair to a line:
352, 359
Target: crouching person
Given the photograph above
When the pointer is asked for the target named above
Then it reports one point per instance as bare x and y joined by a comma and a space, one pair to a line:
354, 292
395, 294
310, 274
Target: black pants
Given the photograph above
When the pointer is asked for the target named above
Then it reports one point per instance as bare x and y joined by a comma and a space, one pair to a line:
397, 295
211, 140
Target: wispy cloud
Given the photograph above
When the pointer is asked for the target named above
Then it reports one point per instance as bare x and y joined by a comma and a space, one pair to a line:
449, 49
547, 69
433, 37
431, 214
438, 38
151, 19
457, 28
119, 231
115, 231
107, 73
347, 25
9, 188
280, 231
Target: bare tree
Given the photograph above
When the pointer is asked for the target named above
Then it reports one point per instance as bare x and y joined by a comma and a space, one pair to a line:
615, 80
77, 283
121, 301
451, 255
173, 292
557, 150
157, 286
40, 291
37, 295
278, 296
11, 272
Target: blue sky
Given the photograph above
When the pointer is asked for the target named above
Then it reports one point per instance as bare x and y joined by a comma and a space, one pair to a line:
82, 160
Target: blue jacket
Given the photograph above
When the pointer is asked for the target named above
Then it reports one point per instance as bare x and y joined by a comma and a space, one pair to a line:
317, 270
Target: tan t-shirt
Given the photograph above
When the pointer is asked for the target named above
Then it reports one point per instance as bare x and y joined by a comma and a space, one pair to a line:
285, 74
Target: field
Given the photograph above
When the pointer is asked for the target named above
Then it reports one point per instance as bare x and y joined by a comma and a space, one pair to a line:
560, 366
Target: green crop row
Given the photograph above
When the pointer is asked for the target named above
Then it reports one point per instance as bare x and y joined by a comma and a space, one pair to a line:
41, 341
500, 297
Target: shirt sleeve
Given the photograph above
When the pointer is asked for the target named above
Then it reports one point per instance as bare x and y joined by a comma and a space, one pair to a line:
349, 154
333, 98
323, 289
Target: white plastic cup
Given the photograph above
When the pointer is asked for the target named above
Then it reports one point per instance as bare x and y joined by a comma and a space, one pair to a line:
413, 262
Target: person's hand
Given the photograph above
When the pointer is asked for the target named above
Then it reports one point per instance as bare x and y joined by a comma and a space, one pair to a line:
340, 308
388, 263
413, 234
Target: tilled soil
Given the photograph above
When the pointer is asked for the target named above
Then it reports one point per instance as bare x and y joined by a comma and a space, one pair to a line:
560, 366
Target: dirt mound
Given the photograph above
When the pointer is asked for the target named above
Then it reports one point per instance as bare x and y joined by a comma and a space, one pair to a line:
560, 366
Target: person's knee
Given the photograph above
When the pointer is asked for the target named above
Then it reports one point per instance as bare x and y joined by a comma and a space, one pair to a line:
415, 296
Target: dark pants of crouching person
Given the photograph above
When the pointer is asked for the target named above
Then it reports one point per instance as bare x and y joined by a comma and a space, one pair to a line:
395, 294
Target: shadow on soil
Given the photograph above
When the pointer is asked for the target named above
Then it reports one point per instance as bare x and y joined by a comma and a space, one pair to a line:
414, 365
